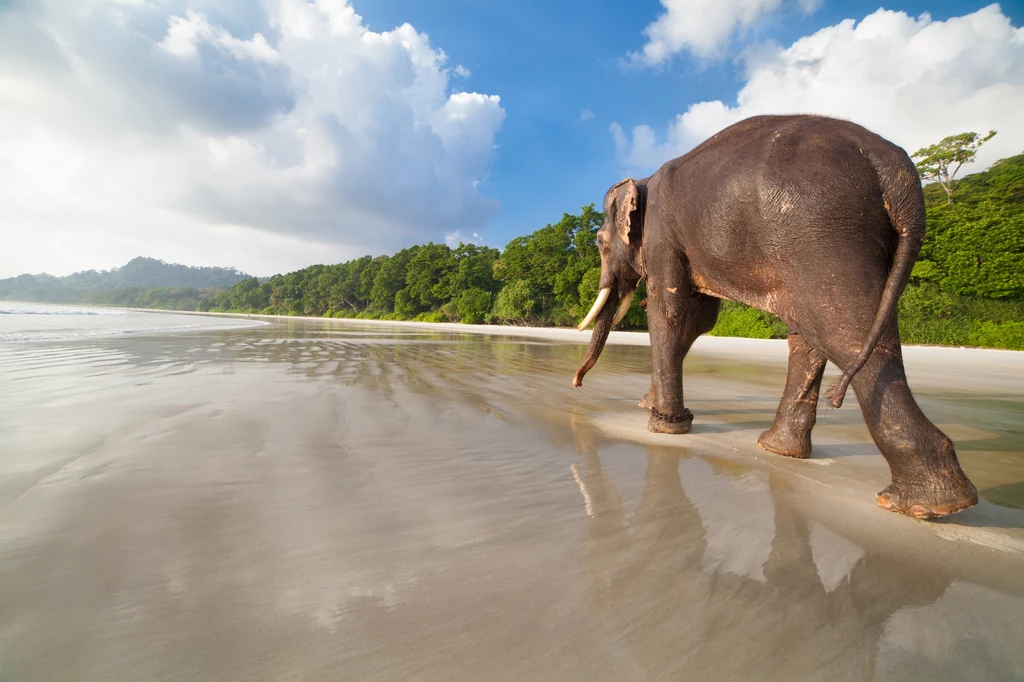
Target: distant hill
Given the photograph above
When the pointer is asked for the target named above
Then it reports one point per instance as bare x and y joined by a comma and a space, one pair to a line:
137, 273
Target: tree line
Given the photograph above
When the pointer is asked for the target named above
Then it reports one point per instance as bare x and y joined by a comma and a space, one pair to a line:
546, 278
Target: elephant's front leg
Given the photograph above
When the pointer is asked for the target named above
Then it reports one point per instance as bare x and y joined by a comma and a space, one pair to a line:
667, 413
676, 317
701, 319
790, 435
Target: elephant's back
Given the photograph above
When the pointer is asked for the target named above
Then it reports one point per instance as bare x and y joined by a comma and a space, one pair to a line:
780, 177
775, 193
815, 151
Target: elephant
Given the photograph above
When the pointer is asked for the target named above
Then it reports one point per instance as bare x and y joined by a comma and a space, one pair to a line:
816, 220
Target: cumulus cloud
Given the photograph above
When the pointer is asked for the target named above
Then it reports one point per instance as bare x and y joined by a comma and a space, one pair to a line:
156, 128
704, 27
912, 80
586, 115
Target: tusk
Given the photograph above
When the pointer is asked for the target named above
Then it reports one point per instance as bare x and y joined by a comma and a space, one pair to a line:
602, 297
623, 308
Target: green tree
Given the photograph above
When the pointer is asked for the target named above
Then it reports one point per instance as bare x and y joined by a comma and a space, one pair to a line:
515, 302
249, 294
426, 275
390, 279
474, 268
351, 289
315, 290
367, 277
935, 162
405, 306
977, 249
552, 261
472, 305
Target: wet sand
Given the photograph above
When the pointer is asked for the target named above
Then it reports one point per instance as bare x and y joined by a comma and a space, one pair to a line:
333, 500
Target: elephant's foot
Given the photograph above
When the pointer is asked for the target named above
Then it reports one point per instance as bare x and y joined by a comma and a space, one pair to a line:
664, 423
647, 402
785, 443
928, 502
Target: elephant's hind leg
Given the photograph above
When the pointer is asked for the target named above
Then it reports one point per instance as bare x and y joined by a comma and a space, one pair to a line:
790, 434
927, 480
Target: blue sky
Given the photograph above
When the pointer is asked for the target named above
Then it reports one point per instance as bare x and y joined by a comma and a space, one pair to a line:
273, 134
550, 61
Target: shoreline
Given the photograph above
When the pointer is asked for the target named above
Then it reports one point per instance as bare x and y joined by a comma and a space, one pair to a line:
571, 335
564, 334
554, 333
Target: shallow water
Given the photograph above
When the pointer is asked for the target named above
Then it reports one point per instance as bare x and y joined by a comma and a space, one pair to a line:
26, 322
322, 501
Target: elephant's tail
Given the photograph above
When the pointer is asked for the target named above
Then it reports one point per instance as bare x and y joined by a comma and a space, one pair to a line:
904, 203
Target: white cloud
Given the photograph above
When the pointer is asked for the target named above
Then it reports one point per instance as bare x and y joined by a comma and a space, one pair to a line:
586, 115
184, 36
704, 27
461, 71
456, 238
912, 80
147, 126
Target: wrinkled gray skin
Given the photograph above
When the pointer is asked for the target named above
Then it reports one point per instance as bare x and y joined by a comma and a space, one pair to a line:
816, 220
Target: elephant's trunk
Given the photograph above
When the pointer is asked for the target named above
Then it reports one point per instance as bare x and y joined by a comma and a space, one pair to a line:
602, 326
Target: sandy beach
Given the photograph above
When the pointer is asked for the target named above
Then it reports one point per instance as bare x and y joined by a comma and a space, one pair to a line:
314, 500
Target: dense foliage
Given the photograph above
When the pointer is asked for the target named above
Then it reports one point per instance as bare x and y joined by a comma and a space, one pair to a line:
548, 277
966, 289
975, 247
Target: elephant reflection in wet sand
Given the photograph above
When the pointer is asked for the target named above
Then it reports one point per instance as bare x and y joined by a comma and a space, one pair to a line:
732, 584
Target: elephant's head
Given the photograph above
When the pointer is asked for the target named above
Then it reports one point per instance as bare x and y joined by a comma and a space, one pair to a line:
622, 265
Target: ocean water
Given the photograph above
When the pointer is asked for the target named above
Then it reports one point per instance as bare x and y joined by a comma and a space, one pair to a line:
321, 500
46, 322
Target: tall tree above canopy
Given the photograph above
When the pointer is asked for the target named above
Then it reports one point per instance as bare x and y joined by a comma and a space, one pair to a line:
935, 162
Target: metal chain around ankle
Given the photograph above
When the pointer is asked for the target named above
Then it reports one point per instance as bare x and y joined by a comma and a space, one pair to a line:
684, 416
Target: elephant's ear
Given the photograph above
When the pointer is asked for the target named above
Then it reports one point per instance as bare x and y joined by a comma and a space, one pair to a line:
626, 204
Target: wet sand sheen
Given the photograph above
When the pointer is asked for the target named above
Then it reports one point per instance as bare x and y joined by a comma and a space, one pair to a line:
311, 501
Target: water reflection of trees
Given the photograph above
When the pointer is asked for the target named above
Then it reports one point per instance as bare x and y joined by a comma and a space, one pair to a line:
663, 580
496, 374
481, 368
